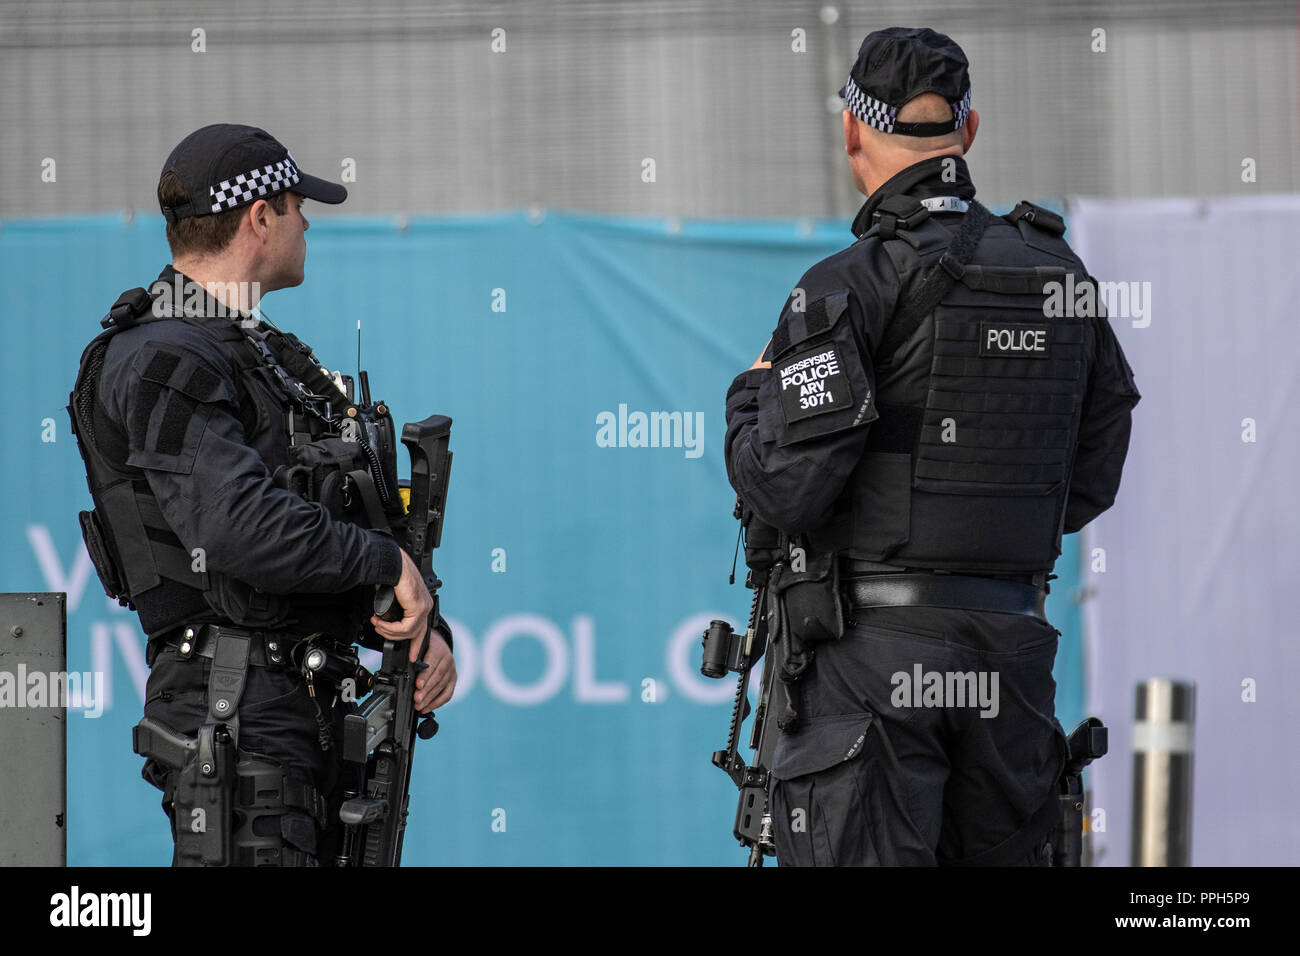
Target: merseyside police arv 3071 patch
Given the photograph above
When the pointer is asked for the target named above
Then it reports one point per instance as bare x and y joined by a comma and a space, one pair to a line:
813, 383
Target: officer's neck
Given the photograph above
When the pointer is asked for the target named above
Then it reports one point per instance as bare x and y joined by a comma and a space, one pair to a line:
878, 169
933, 176
226, 281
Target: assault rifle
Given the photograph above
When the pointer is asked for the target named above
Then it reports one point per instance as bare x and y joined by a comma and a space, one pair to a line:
381, 736
726, 652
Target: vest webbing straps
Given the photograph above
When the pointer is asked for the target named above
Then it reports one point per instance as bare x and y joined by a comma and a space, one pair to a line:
936, 283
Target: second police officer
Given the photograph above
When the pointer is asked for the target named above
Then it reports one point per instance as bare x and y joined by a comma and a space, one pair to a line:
217, 450
923, 427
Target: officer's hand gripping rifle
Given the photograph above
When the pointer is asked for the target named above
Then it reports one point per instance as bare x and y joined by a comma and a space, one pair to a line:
726, 652
382, 734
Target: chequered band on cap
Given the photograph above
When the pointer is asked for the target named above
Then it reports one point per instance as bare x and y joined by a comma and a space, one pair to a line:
258, 182
883, 117
869, 109
961, 110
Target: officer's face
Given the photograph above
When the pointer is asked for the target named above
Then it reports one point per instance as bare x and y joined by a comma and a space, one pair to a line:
288, 251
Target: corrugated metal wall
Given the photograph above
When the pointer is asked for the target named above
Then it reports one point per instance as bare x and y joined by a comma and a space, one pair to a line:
737, 123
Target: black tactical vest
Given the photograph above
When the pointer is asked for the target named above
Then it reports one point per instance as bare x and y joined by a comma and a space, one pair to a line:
140, 560
968, 466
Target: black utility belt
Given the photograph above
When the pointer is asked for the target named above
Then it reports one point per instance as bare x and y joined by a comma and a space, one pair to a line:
945, 590
265, 648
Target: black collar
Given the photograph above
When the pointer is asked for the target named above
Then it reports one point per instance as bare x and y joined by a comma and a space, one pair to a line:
922, 180
213, 315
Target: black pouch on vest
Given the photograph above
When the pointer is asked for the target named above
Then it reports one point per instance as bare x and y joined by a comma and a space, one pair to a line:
202, 804
101, 557
810, 596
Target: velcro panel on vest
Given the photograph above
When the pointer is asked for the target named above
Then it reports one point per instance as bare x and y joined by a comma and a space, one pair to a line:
997, 436
1005, 387
1012, 281
168, 415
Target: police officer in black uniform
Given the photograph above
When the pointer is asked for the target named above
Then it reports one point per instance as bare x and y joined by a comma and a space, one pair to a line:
922, 428
218, 452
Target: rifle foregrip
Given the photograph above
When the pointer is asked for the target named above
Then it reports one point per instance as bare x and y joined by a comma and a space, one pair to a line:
386, 606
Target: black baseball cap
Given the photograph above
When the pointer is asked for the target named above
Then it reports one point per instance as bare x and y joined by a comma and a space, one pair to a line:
225, 166
897, 65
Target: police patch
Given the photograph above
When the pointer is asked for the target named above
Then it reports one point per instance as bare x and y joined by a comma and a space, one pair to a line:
1013, 340
813, 383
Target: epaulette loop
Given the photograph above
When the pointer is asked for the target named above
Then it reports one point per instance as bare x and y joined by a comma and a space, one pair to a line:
1038, 217
899, 212
130, 305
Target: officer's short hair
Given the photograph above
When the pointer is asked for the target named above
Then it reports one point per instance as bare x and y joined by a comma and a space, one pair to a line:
205, 234
926, 108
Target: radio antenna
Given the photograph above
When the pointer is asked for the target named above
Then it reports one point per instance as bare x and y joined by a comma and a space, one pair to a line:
362, 377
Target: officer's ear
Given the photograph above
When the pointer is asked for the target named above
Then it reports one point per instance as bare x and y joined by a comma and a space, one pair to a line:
259, 219
968, 131
852, 133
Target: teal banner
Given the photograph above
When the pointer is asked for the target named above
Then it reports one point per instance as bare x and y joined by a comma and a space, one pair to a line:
584, 361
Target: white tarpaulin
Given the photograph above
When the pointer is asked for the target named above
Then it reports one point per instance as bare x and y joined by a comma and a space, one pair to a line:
1200, 577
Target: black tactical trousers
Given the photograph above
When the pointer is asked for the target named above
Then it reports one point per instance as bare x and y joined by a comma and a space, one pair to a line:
911, 752
277, 721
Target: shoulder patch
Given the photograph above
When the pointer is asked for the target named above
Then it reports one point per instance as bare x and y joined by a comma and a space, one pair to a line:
813, 382
818, 375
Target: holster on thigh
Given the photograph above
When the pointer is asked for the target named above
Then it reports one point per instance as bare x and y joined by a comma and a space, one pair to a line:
277, 816
229, 806
199, 788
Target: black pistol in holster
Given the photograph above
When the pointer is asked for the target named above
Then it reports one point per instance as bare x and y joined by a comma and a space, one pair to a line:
201, 790
1087, 743
381, 735
805, 590
727, 652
